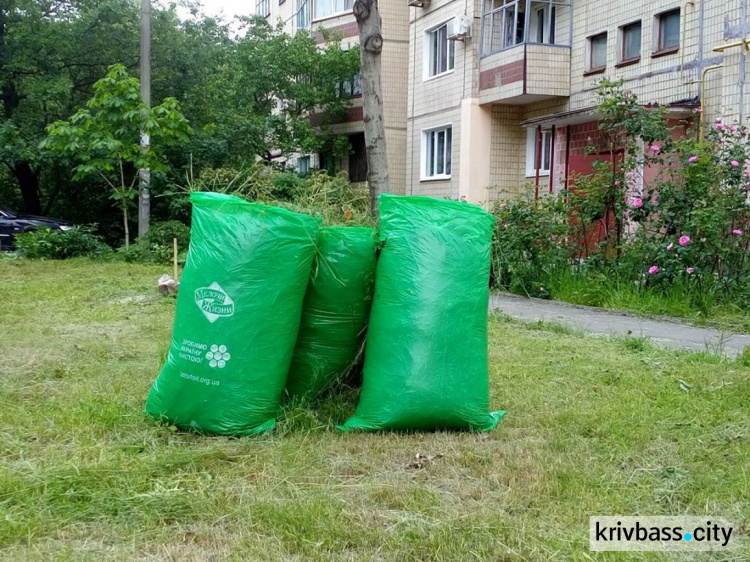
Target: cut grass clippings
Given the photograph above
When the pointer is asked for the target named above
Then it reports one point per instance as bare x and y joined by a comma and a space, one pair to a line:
594, 427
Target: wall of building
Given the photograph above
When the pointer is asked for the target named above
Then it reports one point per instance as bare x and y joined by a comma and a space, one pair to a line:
393, 79
437, 101
467, 97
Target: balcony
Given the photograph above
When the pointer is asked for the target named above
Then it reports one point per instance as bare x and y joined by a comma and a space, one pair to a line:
525, 51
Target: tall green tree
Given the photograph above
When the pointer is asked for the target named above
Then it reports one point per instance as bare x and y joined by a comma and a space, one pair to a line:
263, 95
104, 138
51, 52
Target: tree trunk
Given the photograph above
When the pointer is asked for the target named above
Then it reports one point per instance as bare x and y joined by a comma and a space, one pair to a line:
370, 48
125, 223
28, 181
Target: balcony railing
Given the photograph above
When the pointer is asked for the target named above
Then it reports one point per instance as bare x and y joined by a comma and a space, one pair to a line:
507, 23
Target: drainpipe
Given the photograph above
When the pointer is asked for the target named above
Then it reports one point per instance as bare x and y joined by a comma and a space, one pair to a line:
552, 159
538, 160
567, 157
701, 123
683, 32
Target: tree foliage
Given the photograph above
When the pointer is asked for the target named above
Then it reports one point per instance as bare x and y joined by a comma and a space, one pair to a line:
104, 138
248, 96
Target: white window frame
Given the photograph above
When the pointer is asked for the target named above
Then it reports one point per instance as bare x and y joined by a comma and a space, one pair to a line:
259, 5
302, 16
429, 148
548, 28
335, 13
657, 48
304, 164
450, 53
621, 42
590, 51
531, 145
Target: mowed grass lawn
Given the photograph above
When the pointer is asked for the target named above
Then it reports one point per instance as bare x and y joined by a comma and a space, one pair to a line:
594, 426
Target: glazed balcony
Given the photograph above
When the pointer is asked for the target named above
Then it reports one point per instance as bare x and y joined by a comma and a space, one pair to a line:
525, 51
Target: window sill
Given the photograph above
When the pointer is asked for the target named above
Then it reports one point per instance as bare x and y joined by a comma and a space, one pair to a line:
628, 62
332, 16
597, 70
533, 175
665, 52
435, 178
430, 78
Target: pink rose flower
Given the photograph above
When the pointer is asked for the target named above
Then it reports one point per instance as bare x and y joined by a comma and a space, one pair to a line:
690, 270
626, 214
655, 148
684, 240
737, 232
733, 129
653, 270
637, 202
734, 163
720, 127
670, 246
693, 159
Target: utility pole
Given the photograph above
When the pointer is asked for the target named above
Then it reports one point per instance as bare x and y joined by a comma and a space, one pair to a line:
144, 174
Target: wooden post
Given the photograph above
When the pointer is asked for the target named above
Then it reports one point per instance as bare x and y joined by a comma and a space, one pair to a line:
174, 259
370, 49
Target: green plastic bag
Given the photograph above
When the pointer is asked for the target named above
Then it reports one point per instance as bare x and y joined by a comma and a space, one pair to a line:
337, 304
426, 355
238, 311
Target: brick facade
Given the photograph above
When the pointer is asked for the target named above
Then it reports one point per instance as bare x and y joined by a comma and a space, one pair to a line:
500, 87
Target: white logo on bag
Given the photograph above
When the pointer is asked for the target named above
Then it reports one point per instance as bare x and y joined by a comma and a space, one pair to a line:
218, 356
214, 302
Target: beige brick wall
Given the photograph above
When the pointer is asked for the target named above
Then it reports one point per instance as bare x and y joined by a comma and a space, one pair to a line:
548, 70
414, 103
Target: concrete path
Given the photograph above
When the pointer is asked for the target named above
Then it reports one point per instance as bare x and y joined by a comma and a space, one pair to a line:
665, 332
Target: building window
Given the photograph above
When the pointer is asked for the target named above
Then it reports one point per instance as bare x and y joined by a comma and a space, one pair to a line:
324, 8
597, 53
440, 51
303, 165
351, 89
303, 14
668, 31
437, 145
535, 160
503, 25
630, 42
263, 8
543, 25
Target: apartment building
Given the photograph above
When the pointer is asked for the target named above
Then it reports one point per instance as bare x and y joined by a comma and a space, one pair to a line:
501, 91
336, 16
484, 99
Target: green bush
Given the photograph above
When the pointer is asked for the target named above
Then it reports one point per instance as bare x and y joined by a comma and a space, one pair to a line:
530, 245
156, 245
45, 243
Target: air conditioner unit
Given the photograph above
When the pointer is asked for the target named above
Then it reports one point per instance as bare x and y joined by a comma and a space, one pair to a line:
418, 3
459, 28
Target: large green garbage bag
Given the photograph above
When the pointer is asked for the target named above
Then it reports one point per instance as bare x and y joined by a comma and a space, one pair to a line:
337, 304
238, 311
426, 352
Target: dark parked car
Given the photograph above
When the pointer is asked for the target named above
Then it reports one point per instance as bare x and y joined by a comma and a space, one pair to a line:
13, 223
